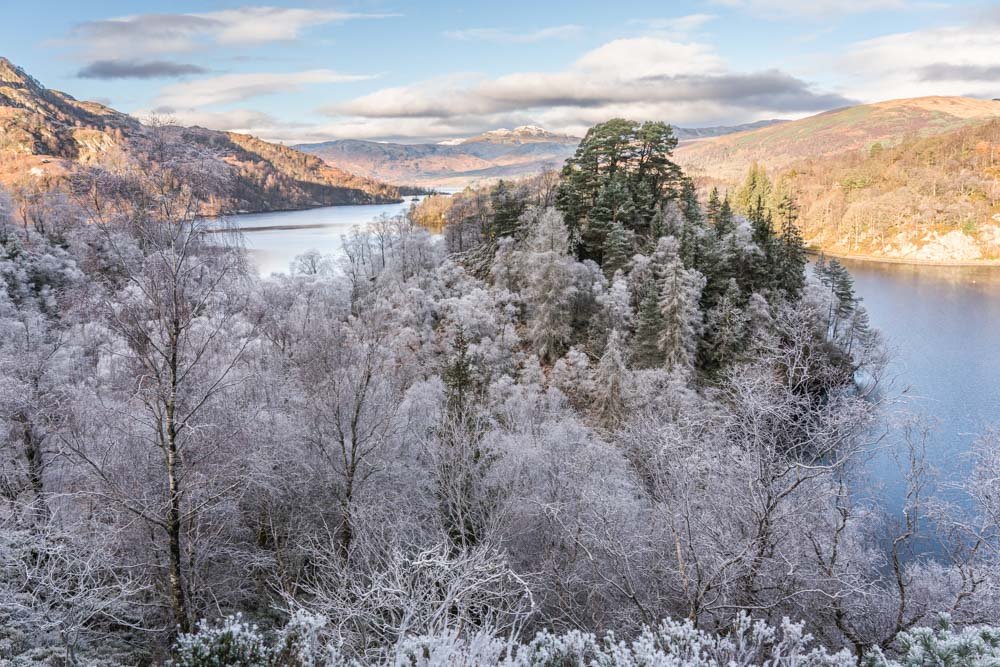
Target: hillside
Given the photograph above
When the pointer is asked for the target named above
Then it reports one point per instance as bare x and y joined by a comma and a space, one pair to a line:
728, 157
502, 153
47, 136
902, 179
930, 199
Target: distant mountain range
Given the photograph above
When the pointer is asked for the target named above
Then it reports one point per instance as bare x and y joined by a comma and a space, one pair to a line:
46, 136
502, 153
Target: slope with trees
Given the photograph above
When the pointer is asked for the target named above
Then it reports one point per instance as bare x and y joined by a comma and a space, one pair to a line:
47, 138
906, 180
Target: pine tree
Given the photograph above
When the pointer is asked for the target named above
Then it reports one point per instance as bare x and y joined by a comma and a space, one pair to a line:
609, 383
680, 293
756, 191
460, 378
791, 269
838, 279
646, 342
691, 232
726, 224
726, 328
549, 286
614, 155
713, 208
604, 213
616, 250
859, 332
507, 210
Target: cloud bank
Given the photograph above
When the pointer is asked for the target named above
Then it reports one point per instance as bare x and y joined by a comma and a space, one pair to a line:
144, 35
119, 69
642, 78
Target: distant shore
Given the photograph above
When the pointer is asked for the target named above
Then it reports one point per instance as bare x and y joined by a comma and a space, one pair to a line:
271, 228
904, 260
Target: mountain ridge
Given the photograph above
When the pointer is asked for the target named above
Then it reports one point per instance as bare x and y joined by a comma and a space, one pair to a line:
46, 136
830, 133
502, 153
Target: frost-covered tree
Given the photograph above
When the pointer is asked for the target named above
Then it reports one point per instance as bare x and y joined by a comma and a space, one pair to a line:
727, 326
549, 285
610, 380
680, 316
646, 351
616, 250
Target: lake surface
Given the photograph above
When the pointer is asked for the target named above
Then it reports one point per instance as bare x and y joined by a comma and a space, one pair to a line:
315, 229
941, 323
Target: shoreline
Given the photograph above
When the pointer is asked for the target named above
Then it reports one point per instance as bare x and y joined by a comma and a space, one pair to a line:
272, 228
968, 263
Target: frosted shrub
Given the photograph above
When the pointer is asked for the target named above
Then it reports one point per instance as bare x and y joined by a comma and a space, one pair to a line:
671, 644
306, 642
232, 641
970, 647
301, 643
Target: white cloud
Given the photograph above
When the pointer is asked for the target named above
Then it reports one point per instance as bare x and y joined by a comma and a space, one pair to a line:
507, 36
951, 60
142, 35
813, 8
255, 25
642, 78
678, 25
649, 56
237, 87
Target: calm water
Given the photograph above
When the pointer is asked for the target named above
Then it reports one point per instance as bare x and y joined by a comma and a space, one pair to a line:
942, 325
274, 249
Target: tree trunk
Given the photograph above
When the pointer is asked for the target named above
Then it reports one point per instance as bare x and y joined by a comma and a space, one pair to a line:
178, 600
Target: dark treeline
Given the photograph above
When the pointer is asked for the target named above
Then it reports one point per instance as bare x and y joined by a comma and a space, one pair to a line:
597, 405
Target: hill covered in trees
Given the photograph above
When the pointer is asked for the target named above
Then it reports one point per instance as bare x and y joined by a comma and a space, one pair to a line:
907, 179
48, 138
931, 199
832, 133
596, 421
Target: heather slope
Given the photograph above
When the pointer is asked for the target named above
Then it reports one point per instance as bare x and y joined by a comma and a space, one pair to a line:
832, 133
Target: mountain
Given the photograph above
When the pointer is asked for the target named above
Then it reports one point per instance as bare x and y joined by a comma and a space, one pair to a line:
910, 180
831, 133
502, 153
46, 136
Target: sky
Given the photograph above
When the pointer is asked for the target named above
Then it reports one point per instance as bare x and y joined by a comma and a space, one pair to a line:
418, 71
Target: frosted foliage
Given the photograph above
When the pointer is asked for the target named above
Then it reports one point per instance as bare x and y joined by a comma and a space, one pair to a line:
516, 445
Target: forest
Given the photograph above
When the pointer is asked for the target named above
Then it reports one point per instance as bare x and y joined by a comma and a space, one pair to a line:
593, 418
891, 199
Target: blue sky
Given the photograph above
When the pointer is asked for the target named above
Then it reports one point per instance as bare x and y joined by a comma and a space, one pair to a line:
425, 71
